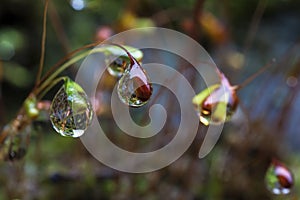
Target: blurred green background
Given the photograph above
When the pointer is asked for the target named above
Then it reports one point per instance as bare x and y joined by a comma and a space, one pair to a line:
241, 37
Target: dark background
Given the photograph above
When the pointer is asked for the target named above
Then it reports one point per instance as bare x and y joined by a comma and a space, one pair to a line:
241, 37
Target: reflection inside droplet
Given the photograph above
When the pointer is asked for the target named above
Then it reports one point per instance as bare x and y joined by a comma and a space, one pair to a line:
281, 191
71, 111
134, 87
117, 67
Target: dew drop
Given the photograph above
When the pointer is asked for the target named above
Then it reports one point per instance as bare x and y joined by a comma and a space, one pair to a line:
134, 87
30, 106
71, 111
117, 67
217, 103
279, 179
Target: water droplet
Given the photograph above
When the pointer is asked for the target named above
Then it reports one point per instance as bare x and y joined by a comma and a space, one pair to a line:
118, 58
279, 179
117, 66
30, 106
71, 111
217, 103
134, 87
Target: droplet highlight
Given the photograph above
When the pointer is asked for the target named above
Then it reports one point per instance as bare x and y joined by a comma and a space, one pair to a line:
279, 179
71, 111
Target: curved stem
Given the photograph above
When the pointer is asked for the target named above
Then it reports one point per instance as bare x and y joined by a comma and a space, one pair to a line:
47, 80
59, 66
43, 92
67, 57
58, 71
251, 78
43, 43
132, 59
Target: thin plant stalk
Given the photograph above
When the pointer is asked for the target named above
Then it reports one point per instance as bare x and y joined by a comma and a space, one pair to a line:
255, 75
44, 32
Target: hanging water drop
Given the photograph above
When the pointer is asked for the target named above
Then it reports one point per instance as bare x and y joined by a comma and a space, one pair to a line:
118, 61
134, 87
71, 111
117, 67
217, 103
279, 179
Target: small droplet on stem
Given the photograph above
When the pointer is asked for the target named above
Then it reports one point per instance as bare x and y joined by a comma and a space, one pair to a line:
117, 67
30, 106
279, 179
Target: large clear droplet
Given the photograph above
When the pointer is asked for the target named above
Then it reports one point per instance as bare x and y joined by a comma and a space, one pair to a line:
71, 111
134, 87
117, 66
279, 179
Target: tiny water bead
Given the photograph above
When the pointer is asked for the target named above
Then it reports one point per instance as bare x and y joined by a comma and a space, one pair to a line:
279, 179
117, 67
217, 103
118, 61
71, 111
30, 106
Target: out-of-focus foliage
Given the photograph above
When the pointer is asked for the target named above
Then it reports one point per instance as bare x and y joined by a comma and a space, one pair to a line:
241, 36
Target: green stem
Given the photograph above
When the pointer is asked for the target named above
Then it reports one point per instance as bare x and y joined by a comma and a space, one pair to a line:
41, 89
43, 43
48, 81
63, 60
43, 92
